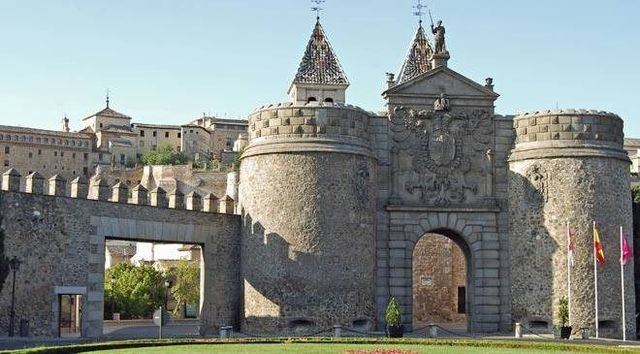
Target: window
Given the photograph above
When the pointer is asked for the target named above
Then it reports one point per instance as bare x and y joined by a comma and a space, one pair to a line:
55, 153
73, 156
142, 133
6, 149
86, 156
122, 159
6, 163
7, 137
155, 133
30, 155
61, 153
100, 157
30, 139
100, 125
85, 171
46, 140
66, 142
39, 140
311, 99
190, 131
166, 134
39, 152
328, 99
179, 135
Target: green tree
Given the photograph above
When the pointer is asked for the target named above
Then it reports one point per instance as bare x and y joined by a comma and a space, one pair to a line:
186, 287
164, 155
135, 292
635, 193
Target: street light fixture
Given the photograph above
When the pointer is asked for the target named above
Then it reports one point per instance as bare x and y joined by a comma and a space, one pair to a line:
14, 263
113, 298
167, 285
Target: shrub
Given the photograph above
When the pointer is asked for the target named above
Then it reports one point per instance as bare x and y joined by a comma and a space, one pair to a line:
136, 291
164, 155
563, 312
392, 314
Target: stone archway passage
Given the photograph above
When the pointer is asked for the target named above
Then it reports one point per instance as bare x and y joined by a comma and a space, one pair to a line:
439, 283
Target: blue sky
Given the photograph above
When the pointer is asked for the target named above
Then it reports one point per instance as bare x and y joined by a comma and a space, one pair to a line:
170, 61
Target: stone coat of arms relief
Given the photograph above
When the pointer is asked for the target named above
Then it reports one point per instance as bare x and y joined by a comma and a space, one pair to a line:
439, 155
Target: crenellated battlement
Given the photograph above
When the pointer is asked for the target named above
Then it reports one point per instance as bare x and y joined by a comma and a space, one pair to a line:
97, 188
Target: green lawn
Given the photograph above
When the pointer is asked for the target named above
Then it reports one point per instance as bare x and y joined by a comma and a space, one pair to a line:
343, 345
324, 348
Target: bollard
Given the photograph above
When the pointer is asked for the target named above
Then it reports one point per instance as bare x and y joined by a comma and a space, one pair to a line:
337, 331
433, 331
518, 330
225, 331
585, 333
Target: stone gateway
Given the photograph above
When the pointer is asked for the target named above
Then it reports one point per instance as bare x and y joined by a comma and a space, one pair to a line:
340, 209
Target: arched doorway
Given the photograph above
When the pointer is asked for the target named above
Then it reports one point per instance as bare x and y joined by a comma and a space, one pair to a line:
440, 282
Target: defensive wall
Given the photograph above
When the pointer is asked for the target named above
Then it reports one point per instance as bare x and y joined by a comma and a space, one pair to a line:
60, 240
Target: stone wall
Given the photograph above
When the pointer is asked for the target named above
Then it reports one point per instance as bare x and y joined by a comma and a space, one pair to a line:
438, 272
61, 242
578, 176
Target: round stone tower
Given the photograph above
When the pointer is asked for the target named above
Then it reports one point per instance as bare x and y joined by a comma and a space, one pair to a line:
568, 170
308, 205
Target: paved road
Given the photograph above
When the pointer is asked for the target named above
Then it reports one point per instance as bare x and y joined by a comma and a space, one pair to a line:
146, 329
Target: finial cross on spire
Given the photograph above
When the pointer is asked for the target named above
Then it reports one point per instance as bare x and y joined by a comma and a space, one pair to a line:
418, 10
317, 7
108, 91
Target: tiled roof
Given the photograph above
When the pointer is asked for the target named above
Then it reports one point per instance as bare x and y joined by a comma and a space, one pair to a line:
319, 64
108, 112
418, 58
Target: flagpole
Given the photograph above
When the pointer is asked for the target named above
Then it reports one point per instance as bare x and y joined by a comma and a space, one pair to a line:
624, 319
569, 270
595, 279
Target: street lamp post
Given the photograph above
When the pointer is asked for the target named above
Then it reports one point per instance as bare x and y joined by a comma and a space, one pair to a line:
113, 299
167, 285
14, 263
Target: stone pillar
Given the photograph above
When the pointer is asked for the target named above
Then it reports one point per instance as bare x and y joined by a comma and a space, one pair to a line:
57, 185
11, 180
226, 205
99, 190
139, 195
79, 187
210, 203
158, 198
569, 169
176, 199
440, 59
193, 201
34, 183
119, 193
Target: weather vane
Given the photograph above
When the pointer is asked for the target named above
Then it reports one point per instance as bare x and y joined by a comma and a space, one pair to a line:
418, 10
317, 7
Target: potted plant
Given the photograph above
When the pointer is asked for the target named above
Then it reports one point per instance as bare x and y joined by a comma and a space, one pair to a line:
563, 317
392, 317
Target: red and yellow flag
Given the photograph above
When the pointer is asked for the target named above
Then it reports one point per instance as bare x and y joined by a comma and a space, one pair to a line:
598, 245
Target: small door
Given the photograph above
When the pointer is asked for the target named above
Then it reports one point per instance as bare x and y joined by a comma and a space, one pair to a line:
70, 315
462, 299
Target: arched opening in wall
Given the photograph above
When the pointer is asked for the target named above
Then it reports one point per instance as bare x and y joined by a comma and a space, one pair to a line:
141, 276
311, 99
328, 100
439, 274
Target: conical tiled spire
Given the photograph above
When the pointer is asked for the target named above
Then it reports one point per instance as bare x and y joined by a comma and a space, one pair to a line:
418, 59
319, 64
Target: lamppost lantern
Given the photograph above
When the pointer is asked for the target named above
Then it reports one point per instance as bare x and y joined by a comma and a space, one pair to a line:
167, 284
14, 264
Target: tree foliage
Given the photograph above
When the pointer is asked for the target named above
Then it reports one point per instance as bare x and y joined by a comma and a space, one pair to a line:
635, 193
186, 287
164, 155
135, 292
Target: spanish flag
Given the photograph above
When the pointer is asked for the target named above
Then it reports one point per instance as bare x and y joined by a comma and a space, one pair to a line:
599, 253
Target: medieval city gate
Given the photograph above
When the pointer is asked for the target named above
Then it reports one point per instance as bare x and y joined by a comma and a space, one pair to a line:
442, 170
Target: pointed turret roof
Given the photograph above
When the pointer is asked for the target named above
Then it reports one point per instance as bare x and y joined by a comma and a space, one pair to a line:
319, 64
418, 59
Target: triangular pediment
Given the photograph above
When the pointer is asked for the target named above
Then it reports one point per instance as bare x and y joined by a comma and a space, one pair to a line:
441, 80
